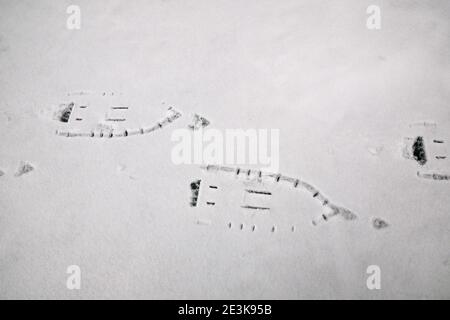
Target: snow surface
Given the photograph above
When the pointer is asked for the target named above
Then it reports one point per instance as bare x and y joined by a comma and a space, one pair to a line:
342, 96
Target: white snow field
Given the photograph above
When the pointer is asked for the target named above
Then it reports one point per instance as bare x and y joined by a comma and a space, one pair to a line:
346, 99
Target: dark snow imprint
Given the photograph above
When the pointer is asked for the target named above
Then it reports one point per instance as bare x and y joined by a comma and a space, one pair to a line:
64, 112
116, 119
378, 223
255, 208
267, 193
24, 168
434, 176
253, 227
334, 210
414, 148
198, 122
195, 189
419, 151
2, 173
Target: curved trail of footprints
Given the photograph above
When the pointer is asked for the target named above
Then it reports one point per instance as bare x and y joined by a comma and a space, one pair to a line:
330, 208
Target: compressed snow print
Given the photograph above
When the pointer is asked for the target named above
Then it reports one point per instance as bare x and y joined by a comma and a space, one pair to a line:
24, 168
